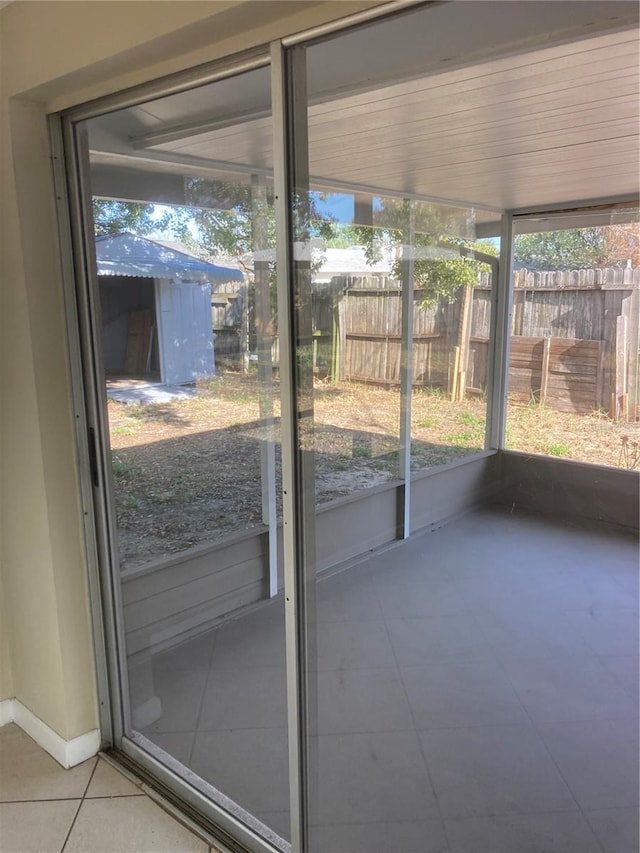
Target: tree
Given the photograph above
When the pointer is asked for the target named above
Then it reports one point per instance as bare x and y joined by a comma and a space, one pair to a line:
114, 217
623, 244
440, 266
579, 248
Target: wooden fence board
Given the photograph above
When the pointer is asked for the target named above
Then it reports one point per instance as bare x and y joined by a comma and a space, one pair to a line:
572, 316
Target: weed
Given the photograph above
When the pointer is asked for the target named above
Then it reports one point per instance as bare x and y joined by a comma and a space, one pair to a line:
426, 423
470, 419
557, 450
629, 453
361, 452
384, 465
120, 468
461, 439
129, 502
125, 429
435, 391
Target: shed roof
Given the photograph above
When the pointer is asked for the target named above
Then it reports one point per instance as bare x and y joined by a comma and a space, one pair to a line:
128, 255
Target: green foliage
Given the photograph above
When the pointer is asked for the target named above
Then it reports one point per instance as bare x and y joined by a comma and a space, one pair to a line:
442, 277
121, 469
236, 220
470, 419
557, 450
571, 249
440, 265
114, 217
361, 452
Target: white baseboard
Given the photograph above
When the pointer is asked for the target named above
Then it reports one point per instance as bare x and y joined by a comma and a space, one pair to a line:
7, 711
68, 753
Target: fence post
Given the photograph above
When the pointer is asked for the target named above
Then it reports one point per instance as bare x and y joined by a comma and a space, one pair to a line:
631, 310
464, 332
544, 374
620, 405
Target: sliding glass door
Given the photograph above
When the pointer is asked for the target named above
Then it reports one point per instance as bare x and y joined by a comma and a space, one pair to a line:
181, 300
293, 293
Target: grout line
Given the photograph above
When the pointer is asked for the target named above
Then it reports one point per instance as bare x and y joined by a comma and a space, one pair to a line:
73, 823
542, 740
41, 800
93, 773
75, 817
115, 797
415, 726
202, 698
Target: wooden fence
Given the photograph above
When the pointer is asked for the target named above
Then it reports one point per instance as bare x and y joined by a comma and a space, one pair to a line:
574, 343
574, 339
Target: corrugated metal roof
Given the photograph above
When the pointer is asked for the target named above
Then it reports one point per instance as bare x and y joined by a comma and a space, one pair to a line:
351, 261
128, 255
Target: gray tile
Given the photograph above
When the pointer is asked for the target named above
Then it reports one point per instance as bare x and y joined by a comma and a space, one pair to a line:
433, 639
109, 782
29, 773
36, 827
410, 591
192, 654
249, 765
129, 825
611, 631
545, 591
255, 640
553, 690
522, 633
177, 744
461, 694
362, 700
245, 698
180, 693
493, 770
351, 645
598, 759
365, 778
425, 836
616, 829
561, 832
625, 669
346, 596
627, 581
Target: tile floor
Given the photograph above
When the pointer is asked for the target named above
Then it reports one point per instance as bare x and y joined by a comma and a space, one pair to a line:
476, 693
92, 808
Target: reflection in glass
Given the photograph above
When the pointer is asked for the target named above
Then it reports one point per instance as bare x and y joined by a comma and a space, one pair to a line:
403, 294
183, 209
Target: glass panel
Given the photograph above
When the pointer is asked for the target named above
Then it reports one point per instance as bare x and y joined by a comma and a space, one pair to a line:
183, 207
357, 274
407, 287
573, 372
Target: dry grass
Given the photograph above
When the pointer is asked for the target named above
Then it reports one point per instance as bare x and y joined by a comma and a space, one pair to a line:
189, 471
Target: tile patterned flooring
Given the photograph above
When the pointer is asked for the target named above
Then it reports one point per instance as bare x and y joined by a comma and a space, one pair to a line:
477, 692
92, 808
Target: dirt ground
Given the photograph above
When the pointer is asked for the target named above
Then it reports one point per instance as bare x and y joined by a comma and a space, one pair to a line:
189, 471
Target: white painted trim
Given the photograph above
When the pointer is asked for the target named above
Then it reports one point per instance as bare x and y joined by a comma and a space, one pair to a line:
68, 753
7, 711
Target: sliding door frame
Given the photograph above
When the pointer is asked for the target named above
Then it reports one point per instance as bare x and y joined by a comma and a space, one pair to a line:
229, 824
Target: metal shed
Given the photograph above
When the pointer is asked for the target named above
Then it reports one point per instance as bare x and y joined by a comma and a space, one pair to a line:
156, 308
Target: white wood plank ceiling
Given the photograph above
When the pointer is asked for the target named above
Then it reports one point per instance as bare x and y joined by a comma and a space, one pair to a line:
541, 126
